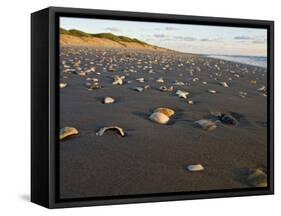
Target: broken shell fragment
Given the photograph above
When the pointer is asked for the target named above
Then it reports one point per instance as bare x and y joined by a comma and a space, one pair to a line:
262, 89
160, 80
206, 124
108, 100
224, 84
104, 129
140, 79
93, 86
195, 167
179, 83
253, 81
118, 80
212, 91
63, 85
159, 118
190, 102
257, 178
67, 132
139, 89
168, 112
166, 89
182, 94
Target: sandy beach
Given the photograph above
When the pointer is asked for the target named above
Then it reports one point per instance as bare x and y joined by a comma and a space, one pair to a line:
152, 158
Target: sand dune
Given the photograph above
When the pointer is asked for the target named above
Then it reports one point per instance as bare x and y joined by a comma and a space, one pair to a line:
66, 39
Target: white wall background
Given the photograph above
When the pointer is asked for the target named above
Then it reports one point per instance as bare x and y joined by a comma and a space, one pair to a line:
15, 107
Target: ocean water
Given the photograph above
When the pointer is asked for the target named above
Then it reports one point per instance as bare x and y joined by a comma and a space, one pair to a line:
260, 61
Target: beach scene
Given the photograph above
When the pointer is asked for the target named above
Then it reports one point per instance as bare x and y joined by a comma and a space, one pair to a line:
148, 108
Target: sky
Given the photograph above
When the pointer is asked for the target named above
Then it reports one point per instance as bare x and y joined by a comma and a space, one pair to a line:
199, 39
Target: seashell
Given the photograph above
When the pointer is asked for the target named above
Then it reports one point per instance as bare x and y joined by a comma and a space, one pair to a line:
159, 118
108, 100
67, 132
205, 83
195, 167
212, 91
190, 102
140, 79
179, 83
104, 129
146, 86
166, 89
257, 178
182, 94
118, 80
63, 85
237, 75
243, 94
262, 89
93, 86
228, 119
168, 112
139, 89
253, 81
81, 73
224, 84
195, 79
160, 80
206, 124
92, 79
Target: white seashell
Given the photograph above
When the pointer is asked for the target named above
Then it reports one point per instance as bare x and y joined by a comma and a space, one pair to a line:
224, 84
243, 94
195, 79
206, 124
159, 118
63, 85
212, 91
195, 167
92, 79
118, 80
104, 129
179, 83
190, 102
139, 89
160, 80
166, 89
182, 94
140, 79
205, 83
262, 89
108, 100
67, 132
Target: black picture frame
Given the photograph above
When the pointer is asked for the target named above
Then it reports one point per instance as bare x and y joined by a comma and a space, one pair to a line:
45, 100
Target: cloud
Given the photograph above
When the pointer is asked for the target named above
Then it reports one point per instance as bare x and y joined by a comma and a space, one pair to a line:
159, 35
185, 38
171, 28
242, 37
218, 39
259, 41
113, 29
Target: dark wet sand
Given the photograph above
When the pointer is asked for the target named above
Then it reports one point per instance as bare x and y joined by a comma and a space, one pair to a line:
152, 157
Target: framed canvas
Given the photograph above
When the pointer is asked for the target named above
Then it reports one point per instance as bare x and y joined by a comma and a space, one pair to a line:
138, 107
